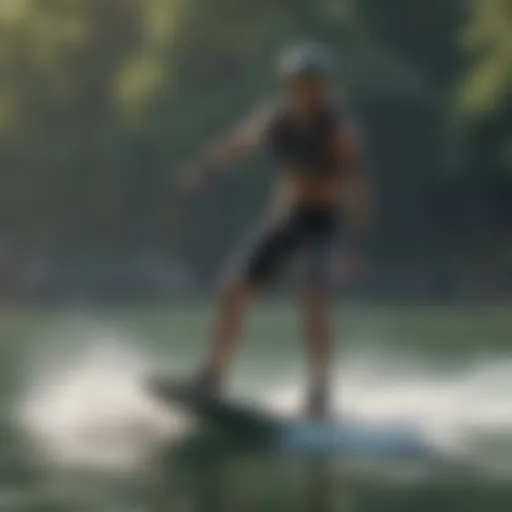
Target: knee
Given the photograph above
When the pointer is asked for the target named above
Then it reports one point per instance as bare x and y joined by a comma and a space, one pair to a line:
315, 297
234, 292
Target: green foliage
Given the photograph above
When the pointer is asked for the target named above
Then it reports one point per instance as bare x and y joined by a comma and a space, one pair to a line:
489, 39
101, 100
485, 99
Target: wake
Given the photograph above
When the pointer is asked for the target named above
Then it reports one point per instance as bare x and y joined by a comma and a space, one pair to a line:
92, 411
89, 410
466, 413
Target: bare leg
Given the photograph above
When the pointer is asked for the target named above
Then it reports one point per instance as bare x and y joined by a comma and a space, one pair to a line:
233, 305
319, 347
226, 336
272, 245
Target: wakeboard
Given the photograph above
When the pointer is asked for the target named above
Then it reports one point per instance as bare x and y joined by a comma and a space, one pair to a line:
259, 428
235, 418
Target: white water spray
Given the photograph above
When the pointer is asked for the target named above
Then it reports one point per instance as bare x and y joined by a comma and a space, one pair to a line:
91, 409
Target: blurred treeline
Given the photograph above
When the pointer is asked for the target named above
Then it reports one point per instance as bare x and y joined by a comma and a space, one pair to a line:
101, 100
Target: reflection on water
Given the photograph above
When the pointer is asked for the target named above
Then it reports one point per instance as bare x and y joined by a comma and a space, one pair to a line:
96, 438
321, 486
232, 484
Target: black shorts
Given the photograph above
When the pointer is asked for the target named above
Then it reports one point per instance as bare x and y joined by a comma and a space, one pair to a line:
309, 233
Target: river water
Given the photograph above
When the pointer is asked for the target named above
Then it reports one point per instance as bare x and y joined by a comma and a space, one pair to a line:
80, 433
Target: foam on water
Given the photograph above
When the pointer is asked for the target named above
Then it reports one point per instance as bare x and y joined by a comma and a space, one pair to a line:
464, 412
91, 410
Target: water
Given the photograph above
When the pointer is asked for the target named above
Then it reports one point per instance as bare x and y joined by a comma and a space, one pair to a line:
88, 436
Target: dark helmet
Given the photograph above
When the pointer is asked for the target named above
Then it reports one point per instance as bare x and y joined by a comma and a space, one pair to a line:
307, 59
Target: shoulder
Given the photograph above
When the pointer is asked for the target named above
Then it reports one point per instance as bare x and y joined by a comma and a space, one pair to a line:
263, 116
271, 117
256, 123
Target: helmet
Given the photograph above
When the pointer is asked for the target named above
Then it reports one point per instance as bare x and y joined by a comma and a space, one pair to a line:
307, 59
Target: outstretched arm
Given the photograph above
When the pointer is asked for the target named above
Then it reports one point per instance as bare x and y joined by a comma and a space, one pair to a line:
229, 148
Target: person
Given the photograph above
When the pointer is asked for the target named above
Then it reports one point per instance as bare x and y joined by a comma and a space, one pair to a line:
321, 191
